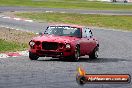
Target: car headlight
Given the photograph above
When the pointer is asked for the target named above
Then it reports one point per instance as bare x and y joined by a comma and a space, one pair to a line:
31, 43
68, 46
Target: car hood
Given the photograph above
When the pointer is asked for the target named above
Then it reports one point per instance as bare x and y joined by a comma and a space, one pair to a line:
54, 38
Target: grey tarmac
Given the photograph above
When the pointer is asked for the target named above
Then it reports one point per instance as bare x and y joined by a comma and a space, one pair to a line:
115, 58
33, 9
20, 72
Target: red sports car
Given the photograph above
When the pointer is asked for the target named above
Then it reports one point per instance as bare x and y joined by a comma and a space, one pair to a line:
64, 41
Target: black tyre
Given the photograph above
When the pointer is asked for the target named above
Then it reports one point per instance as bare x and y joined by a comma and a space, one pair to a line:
94, 54
33, 56
77, 54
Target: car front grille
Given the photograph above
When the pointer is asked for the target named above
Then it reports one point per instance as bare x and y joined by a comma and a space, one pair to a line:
49, 45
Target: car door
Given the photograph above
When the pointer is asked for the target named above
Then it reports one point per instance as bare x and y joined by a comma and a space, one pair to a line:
91, 43
84, 42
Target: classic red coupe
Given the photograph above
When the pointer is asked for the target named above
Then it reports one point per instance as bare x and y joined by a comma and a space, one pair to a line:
61, 41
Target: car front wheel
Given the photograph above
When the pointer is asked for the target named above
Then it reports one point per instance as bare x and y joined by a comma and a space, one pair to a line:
94, 54
33, 56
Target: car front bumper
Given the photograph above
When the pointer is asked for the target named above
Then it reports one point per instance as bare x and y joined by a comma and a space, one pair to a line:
52, 53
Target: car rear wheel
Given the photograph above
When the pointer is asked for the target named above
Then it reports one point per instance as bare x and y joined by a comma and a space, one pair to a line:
77, 54
33, 56
94, 54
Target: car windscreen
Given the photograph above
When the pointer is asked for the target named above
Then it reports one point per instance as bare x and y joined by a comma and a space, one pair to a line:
63, 31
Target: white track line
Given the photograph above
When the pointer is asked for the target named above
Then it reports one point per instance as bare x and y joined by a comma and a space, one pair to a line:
4, 56
62, 12
48, 11
15, 18
6, 17
29, 20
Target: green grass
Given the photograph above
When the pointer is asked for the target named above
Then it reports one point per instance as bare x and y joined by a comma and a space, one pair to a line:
75, 4
6, 46
117, 22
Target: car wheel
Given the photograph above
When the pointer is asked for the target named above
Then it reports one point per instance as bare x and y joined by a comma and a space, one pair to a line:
94, 54
33, 56
77, 54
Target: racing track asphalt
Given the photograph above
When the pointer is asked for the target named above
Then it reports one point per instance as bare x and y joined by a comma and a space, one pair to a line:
115, 58
106, 12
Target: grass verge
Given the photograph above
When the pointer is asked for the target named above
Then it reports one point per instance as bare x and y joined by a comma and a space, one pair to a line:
6, 46
75, 4
14, 40
117, 22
